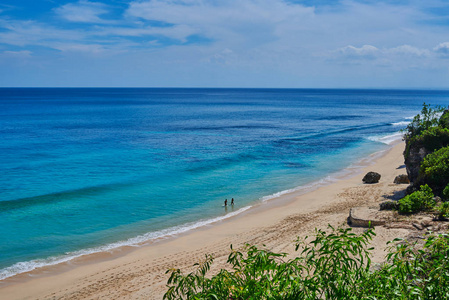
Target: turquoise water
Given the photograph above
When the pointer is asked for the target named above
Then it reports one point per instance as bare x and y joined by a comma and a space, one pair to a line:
86, 170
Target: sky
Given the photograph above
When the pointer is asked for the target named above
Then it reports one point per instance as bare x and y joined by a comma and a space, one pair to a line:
225, 43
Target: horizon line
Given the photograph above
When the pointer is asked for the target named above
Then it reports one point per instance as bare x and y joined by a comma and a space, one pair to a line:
242, 88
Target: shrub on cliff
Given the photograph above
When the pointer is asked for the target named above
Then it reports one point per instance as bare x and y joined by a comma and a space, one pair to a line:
423, 135
432, 139
434, 169
446, 192
444, 119
426, 119
417, 201
443, 211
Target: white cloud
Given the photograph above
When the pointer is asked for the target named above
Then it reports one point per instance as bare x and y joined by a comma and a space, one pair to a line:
379, 56
30, 33
17, 54
442, 49
409, 51
24, 33
83, 12
222, 57
246, 38
86, 48
252, 22
364, 52
179, 32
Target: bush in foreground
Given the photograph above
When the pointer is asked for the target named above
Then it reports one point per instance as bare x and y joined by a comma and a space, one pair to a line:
335, 265
443, 211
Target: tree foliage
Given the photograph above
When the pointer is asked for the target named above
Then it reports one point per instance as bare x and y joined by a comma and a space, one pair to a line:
428, 117
435, 168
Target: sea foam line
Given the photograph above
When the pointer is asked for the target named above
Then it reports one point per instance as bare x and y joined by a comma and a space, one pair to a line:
402, 123
28, 266
387, 139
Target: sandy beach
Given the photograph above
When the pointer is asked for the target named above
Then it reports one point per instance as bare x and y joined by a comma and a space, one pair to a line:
139, 272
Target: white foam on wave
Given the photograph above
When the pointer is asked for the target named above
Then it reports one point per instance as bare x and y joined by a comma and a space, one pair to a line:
28, 266
387, 139
402, 123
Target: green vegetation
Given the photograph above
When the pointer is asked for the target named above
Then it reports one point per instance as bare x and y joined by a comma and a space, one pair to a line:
330, 266
435, 168
335, 265
427, 134
443, 210
423, 121
446, 193
432, 138
444, 121
427, 130
417, 201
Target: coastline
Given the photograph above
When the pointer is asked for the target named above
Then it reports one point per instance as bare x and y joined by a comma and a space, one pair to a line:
139, 272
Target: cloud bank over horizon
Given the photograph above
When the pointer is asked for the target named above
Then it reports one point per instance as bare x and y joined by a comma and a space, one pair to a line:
227, 43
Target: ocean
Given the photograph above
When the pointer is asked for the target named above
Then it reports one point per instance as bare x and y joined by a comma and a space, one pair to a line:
85, 170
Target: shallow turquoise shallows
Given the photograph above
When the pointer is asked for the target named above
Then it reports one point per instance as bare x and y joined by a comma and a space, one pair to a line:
87, 170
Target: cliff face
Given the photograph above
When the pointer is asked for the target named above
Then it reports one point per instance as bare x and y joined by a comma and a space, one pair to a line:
413, 159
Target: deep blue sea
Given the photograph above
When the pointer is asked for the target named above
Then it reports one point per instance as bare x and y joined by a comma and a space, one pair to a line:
87, 170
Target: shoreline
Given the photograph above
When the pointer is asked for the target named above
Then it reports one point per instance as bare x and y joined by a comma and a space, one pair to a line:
39, 266
214, 237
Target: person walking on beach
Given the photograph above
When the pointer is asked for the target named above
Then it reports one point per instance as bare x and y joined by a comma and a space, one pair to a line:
226, 202
232, 201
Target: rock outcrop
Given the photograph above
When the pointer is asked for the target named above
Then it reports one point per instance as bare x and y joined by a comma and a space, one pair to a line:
413, 159
388, 205
371, 177
401, 179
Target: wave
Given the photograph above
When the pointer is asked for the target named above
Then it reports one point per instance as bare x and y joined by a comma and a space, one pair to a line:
28, 266
331, 132
339, 117
224, 128
58, 196
402, 123
387, 139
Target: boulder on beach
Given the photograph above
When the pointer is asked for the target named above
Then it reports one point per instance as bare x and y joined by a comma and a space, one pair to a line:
371, 177
401, 179
388, 205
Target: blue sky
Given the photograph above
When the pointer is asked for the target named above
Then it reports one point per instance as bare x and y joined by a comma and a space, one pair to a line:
226, 43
